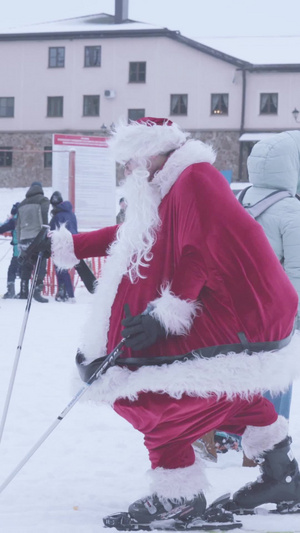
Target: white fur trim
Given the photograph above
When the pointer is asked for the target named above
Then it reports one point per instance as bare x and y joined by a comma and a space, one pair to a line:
190, 153
232, 374
139, 141
62, 248
174, 314
257, 440
179, 482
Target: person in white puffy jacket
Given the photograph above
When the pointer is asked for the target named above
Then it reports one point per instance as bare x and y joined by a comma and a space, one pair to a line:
274, 163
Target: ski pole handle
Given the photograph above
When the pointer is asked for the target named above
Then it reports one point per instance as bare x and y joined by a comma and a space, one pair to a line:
108, 361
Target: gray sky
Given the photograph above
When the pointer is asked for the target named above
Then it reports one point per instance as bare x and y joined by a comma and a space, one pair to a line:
190, 17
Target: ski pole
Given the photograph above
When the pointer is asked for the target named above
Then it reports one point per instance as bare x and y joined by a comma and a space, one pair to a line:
108, 361
19, 347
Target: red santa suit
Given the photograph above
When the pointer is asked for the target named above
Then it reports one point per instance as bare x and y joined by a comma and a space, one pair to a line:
212, 279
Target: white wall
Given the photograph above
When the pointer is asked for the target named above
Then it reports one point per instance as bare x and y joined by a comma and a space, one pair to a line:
172, 68
287, 85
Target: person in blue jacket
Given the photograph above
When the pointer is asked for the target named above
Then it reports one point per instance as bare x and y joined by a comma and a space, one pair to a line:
62, 213
274, 164
13, 269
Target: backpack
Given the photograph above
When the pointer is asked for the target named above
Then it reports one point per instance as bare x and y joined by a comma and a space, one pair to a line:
262, 205
29, 221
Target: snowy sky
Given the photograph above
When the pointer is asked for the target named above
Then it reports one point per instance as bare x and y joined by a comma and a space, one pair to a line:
190, 17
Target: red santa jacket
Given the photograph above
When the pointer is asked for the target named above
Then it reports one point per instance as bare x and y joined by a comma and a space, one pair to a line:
213, 274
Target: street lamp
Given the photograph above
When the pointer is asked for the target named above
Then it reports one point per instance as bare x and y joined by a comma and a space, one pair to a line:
295, 114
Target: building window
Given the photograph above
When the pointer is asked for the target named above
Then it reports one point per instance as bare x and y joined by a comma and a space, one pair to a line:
91, 105
268, 103
47, 156
135, 114
92, 56
137, 72
55, 106
219, 104
179, 104
5, 156
7, 106
56, 57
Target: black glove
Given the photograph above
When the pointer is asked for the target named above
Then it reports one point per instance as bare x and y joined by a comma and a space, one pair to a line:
41, 243
141, 331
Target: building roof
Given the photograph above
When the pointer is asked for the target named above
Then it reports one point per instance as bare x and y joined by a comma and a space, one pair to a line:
283, 50
101, 22
253, 53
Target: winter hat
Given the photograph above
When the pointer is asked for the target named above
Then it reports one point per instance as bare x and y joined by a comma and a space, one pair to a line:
56, 198
14, 208
36, 183
146, 137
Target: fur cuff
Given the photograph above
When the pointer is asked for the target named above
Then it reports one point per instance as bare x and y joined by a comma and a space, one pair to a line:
179, 483
175, 315
257, 440
62, 248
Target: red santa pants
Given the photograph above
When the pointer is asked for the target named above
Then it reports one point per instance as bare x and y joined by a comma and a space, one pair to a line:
171, 426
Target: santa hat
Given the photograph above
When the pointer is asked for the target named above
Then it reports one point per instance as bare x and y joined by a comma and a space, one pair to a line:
146, 137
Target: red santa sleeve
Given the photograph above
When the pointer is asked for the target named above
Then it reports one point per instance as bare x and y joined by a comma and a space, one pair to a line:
194, 199
68, 249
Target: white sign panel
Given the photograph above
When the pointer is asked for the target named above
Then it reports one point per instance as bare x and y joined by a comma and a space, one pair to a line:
95, 179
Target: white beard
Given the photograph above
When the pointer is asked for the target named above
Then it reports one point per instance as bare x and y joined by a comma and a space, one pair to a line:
130, 251
138, 232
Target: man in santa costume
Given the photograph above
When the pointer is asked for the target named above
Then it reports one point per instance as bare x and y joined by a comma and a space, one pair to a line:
189, 272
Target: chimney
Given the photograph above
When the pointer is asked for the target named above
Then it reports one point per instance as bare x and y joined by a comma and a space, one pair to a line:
121, 11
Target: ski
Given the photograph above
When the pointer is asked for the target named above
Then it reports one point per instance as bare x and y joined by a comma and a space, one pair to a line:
124, 522
86, 275
215, 517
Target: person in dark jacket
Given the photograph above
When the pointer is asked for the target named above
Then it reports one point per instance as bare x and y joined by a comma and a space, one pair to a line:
32, 215
62, 213
13, 269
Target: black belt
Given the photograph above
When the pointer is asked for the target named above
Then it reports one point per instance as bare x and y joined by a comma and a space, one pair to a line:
207, 352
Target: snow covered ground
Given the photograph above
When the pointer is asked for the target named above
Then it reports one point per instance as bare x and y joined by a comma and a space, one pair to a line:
94, 463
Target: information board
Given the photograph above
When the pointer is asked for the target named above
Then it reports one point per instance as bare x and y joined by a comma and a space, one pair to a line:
94, 179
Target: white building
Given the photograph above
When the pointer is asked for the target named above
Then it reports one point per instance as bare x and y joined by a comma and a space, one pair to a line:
81, 75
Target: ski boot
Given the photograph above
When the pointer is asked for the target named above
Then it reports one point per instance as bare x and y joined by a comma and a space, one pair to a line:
61, 295
23, 294
225, 442
155, 508
156, 512
37, 295
279, 483
10, 290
